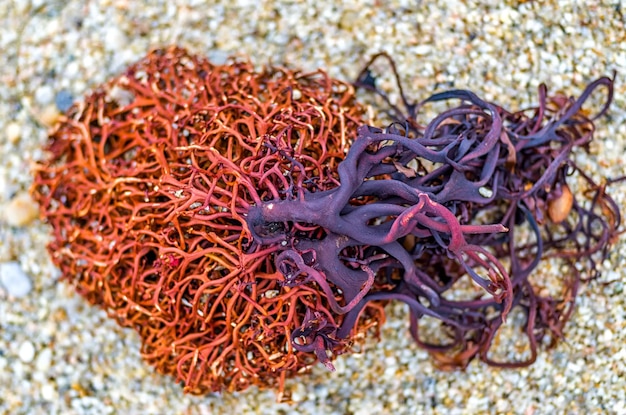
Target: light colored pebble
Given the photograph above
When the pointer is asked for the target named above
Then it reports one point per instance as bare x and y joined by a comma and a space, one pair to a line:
606, 336
13, 132
21, 210
120, 96
14, 280
422, 50
6, 188
218, 57
114, 39
49, 392
44, 95
26, 352
44, 360
49, 115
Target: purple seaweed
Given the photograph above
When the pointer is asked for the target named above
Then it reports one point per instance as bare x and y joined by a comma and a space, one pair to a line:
419, 208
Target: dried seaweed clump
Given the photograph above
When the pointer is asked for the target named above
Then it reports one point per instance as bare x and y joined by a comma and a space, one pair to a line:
223, 214
147, 190
479, 198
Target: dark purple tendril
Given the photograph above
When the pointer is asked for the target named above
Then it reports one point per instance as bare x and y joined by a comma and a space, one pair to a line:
420, 208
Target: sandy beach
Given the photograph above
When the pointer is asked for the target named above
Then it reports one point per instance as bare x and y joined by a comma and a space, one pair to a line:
58, 355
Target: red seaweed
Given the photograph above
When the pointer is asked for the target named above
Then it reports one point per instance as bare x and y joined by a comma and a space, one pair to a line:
247, 224
147, 189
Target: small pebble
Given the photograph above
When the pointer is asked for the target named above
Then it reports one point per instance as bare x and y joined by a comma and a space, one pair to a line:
63, 100
121, 96
48, 392
44, 95
115, 39
44, 360
13, 132
14, 280
218, 57
422, 50
49, 115
21, 210
26, 352
6, 189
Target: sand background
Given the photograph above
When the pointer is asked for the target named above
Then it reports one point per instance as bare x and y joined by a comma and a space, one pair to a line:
60, 356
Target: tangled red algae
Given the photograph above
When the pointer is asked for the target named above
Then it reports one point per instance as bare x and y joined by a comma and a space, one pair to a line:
247, 224
144, 197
